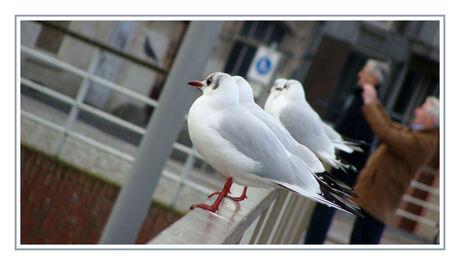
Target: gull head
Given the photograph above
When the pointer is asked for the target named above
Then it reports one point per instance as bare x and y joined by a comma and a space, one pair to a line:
275, 92
280, 83
293, 90
220, 86
277, 87
244, 89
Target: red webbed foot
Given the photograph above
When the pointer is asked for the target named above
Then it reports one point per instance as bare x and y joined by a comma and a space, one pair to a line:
215, 206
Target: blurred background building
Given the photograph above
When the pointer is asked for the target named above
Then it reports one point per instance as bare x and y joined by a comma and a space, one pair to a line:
89, 88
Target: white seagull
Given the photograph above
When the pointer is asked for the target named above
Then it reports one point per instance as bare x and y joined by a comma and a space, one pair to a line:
274, 103
246, 99
240, 146
304, 124
275, 93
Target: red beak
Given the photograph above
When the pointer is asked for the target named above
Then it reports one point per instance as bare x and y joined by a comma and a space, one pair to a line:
195, 83
279, 88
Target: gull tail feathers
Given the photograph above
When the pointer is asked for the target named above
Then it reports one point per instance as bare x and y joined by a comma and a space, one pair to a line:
344, 203
347, 147
327, 190
351, 141
327, 197
336, 163
342, 147
336, 184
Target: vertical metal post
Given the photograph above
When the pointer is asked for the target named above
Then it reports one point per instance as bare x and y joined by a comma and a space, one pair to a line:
136, 194
184, 175
81, 95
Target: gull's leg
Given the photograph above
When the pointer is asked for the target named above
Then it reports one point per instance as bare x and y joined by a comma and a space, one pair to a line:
218, 192
242, 197
213, 208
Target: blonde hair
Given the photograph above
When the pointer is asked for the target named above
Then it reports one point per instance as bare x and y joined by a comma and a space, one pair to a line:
433, 108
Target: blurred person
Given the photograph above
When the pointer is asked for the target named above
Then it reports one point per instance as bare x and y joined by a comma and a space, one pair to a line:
389, 170
350, 124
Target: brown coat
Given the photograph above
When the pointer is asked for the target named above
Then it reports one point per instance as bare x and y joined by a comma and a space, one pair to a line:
390, 169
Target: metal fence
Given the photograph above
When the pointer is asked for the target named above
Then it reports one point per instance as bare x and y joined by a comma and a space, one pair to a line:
77, 104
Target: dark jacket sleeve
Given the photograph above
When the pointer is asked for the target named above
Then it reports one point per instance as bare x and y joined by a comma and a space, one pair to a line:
401, 142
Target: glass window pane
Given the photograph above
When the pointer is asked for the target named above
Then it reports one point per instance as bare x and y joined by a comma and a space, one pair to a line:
250, 52
261, 30
246, 29
233, 57
277, 35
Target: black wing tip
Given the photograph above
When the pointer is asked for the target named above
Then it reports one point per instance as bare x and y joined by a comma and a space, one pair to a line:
355, 141
347, 166
340, 200
335, 184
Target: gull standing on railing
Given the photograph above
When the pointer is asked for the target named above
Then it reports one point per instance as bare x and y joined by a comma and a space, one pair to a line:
246, 99
275, 92
305, 125
240, 146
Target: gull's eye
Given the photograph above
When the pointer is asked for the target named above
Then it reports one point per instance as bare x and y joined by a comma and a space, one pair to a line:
208, 82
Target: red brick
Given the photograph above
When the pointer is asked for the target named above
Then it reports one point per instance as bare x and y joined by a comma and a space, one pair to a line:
45, 163
52, 189
35, 172
26, 227
30, 159
59, 170
38, 159
49, 177
83, 215
63, 236
33, 192
61, 217
158, 221
48, 220
38, 204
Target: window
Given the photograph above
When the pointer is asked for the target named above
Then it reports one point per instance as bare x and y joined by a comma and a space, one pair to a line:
262, 32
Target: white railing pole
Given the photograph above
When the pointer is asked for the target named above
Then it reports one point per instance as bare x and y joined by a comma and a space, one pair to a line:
184, 175
82, 91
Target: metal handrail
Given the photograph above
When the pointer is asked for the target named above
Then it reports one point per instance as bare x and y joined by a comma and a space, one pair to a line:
83, 73
86, 107
424, 187
422, 203
168, 174
104, 47
130, 126
416, 218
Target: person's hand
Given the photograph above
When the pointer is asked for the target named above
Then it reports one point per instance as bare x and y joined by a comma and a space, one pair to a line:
369, 94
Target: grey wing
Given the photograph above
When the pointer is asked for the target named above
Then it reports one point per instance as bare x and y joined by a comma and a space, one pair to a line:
304, 127
254, 139
287, 140
331, 133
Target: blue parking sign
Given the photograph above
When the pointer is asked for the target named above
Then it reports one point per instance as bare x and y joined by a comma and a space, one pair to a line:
263, 65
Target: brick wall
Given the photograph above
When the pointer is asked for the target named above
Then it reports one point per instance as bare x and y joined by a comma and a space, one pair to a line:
62, 205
